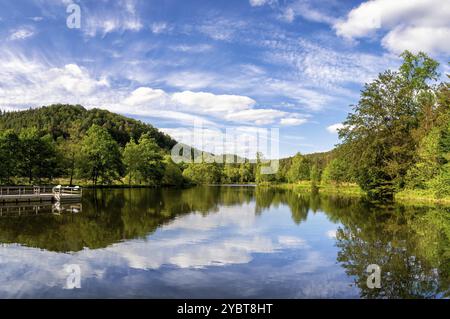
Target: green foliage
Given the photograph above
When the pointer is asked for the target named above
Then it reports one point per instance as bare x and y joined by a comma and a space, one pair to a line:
173, 175
246, 174
260, 174
57, 120
380, 132
231, 174
9, 155
299, 169
427, 165
38, 156
203, 173
315, 176
100, 156
149, 161
131, 162
336, 172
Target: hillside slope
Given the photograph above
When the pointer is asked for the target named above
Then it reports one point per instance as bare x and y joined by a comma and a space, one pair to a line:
57, 120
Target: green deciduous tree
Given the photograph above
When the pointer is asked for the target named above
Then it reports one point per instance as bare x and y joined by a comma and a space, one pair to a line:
38, 156
173, 176
100, 156
299, 169
9, 155
203, 173
231, 174
246, 174
379, 132
150, 161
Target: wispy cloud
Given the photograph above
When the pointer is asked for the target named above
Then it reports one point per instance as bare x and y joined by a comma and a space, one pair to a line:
111, 17
21, 33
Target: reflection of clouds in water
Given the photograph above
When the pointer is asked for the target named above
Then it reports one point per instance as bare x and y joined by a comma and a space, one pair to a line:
192, 242
290, 241
242, 216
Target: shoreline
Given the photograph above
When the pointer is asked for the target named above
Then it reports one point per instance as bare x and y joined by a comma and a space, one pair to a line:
348, 190
353, 190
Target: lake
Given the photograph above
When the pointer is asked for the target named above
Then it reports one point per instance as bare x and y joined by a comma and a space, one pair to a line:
222, 242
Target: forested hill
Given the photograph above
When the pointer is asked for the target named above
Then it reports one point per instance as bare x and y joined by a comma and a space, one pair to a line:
59, 120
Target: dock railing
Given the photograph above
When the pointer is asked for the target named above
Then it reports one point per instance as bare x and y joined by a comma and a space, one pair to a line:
24, 190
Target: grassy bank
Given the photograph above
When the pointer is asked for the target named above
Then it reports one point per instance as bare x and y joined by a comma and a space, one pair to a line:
405, 196
343, 189
420, 196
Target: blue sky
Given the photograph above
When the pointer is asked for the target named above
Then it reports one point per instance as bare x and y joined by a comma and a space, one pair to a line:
295, 65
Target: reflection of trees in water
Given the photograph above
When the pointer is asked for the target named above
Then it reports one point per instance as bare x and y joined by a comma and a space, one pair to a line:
411, 244
113, 215
299, 204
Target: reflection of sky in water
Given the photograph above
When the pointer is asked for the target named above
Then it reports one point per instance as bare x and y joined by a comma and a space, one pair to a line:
229, 253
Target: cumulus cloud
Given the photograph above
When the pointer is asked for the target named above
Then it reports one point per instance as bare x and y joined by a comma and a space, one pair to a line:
335, 127
409, 24
145, 95
211, 103
27, 82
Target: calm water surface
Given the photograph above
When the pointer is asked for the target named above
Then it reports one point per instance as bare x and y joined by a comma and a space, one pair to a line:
223, 242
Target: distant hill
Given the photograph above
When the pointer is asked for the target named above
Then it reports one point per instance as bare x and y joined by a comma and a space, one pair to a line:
320, 159
57, 120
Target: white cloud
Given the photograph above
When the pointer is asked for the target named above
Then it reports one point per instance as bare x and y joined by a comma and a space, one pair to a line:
104, 19
145, 95
28, 82
192, 48
21, 33
306, 11
233, 108
409, 24
159, 27
292, 121
331, 234
416, 39
222, 29
335, 127
291, 241
191, 80
256, 116
258, 3
211, 103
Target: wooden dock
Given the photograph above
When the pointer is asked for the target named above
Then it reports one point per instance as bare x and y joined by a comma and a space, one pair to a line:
19, 194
